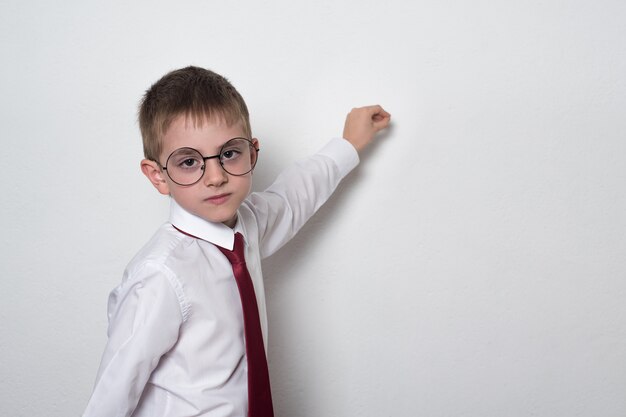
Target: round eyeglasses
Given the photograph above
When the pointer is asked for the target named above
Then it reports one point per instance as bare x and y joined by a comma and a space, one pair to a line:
186, 166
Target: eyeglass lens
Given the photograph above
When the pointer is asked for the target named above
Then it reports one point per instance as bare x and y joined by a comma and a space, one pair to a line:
185, 166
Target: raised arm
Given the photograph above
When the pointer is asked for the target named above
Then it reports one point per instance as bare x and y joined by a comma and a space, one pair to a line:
301, 189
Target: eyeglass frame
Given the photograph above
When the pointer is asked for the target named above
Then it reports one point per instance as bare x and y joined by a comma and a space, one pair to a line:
206, 158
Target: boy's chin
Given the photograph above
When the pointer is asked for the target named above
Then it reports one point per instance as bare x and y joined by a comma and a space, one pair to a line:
231, 222
226, 216
228, 219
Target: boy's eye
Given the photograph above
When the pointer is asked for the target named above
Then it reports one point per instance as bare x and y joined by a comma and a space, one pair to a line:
230, 154
188, 162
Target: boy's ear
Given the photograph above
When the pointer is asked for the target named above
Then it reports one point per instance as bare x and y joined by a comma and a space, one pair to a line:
155, 175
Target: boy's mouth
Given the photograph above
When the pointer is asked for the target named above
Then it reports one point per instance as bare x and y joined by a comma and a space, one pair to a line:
218, 199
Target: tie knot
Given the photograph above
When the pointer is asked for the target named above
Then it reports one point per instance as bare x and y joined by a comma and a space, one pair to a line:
236, 256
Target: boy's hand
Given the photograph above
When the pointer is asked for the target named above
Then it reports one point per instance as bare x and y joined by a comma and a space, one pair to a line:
362, 124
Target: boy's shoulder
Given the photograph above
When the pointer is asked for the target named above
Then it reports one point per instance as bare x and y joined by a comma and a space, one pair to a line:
160, 257
154, 267
159, 249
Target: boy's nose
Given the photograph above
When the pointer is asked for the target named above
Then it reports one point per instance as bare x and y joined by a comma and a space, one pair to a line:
214, 174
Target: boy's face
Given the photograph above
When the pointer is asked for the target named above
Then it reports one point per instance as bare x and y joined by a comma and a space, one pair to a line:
218, 195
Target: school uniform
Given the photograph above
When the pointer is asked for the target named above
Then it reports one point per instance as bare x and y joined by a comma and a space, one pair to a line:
176, 338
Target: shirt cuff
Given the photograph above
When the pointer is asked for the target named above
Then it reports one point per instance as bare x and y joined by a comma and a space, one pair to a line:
343, 153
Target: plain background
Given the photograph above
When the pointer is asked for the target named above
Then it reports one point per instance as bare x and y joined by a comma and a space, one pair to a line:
473, 265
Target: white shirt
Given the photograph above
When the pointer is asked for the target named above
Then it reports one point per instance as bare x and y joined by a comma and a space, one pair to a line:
176, 343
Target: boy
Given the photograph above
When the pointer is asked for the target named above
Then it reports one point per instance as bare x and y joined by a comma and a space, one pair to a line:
187, 324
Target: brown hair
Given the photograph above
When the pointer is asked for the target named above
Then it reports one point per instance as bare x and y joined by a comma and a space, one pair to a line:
194, 92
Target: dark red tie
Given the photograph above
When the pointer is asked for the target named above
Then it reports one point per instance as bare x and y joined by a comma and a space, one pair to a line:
259, 393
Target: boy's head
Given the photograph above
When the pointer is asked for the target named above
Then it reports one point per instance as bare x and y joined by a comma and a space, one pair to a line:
197, 143
196, 93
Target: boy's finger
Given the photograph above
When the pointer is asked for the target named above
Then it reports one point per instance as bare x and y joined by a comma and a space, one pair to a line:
381, 116
378, 112
381, 120
379, 125
376, 108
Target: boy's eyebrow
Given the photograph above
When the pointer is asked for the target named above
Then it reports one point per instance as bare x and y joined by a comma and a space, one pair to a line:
218, 147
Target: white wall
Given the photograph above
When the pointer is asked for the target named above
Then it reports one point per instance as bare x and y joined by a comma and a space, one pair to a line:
474, 265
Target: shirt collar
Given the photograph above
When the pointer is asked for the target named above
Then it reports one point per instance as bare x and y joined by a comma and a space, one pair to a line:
217, 233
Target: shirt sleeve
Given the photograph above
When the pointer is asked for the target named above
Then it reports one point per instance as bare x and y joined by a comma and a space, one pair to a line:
299, 192
144, 320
